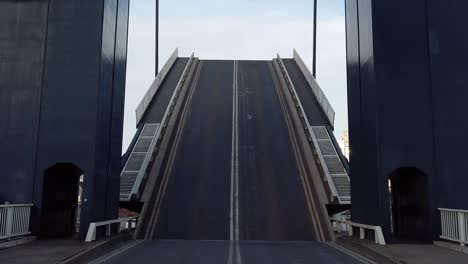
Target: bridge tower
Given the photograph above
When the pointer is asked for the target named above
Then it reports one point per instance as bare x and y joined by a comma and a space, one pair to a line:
407, 65
62, 87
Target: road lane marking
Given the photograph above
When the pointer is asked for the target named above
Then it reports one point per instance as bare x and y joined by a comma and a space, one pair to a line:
233, 143
236, 187
234, 247
234, 203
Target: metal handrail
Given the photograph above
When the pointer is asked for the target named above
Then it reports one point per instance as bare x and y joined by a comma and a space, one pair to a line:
453, 210
15, 205
454, 225
307, 127
137, 182
318, 92
91, 234
378, 234
161, 130
14, 220
335, 155
146, 100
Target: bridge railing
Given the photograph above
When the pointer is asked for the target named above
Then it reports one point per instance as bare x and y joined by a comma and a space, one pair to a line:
122, 223
454, 225
319, 94
134, 170
159, 133
141, 109
308, 128
351, 226
14, 220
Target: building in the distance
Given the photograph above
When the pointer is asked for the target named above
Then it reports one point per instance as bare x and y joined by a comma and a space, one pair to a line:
343, 142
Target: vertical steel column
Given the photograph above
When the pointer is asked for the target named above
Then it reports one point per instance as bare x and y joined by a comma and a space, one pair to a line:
314, 53
156, 69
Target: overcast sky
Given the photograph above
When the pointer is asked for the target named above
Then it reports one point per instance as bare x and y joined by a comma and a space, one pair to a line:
237, 29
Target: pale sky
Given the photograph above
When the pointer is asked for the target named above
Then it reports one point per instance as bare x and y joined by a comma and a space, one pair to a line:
237, 29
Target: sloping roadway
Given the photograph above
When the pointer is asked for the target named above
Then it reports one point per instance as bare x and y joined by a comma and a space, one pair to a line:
234, 192
234, 176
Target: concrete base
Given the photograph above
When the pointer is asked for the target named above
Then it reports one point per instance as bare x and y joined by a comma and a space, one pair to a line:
451, 246
16, 242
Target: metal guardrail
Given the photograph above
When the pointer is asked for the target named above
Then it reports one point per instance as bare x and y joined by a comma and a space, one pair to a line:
454, 225
378, 234
318, 92
161, 127
309, 131
14, 220
141, 109
134, 170
124, 223
333, 164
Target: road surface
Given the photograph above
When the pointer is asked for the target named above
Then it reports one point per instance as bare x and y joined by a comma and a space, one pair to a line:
235, 174
218, 252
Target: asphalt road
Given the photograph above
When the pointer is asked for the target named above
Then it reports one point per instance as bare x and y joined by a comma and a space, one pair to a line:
196, 203
235, 175
217, 252
234, 192
272, 200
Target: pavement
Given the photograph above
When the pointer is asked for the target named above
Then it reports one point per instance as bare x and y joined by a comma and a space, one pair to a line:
421, 254
44, 251
404, 252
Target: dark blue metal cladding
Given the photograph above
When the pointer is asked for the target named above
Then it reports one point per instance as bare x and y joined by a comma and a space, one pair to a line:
70, 101
22, 37
405, 122
118, 102
362, 99
62, 80
103, 163
449, 67
407, 64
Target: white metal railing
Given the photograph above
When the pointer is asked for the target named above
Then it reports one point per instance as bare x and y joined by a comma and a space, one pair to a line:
319, 94
454, 225
155, 86
132, 173
14, 220
310, 133
123, 223
379, 238
333, 166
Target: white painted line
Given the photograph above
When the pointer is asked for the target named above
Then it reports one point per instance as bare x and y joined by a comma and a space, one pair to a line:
234, 199
236, 167
233, 147
236, 81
